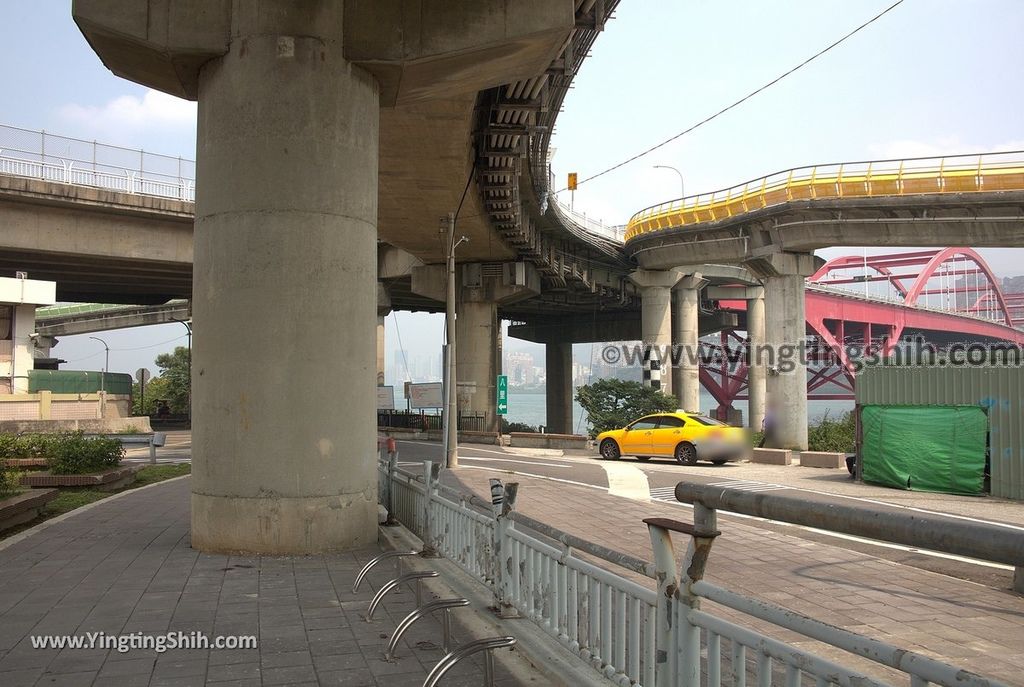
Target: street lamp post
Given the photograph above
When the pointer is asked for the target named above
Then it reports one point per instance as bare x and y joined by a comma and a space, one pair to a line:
106, 364
188, 326
451, 400
682, 187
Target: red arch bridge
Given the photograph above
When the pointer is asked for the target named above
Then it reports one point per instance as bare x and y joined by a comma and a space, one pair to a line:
859, 307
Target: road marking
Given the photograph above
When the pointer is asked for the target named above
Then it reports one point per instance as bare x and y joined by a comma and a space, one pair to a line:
512, 460
550, 479
628, 481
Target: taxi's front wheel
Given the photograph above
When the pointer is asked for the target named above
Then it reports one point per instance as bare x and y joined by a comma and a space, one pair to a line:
610, 450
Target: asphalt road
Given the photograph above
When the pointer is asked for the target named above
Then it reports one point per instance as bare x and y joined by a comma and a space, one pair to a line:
657, 478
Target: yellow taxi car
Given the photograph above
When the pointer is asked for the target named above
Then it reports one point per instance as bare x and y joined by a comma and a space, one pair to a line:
687, 437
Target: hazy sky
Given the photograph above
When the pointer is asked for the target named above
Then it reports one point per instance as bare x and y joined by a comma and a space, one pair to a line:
931, 77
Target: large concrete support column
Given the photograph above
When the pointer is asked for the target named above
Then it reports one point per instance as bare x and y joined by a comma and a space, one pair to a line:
783, 276
478, 362
380, 350
656, 323
285, 259
756, 389
558, 364
685, 337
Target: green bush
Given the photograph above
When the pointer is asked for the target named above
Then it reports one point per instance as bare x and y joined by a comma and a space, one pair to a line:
508, 427
75, 454
8, 481
613, 403
25, 445
67, 453
833, 435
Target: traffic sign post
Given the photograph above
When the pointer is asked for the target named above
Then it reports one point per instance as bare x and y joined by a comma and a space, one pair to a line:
142, 376
502, 395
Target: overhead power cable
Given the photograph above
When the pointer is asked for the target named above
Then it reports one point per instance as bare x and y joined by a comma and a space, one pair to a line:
743, 99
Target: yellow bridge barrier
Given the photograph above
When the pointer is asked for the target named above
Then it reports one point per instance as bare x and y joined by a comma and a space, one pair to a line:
919, 176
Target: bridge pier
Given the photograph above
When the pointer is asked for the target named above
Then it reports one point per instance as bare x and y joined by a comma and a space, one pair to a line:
756, 389
478, 363
558, 363
685, 336
656, 323
783, 275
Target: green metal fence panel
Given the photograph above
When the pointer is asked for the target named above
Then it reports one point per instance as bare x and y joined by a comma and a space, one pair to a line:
925, 448
79, 382
999, 389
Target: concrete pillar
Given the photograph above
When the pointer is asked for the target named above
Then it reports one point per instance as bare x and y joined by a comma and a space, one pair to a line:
755, 370
685, 341
380, 350
285, 260
478, 361
785, 328
22, 347
558, 366
656, 323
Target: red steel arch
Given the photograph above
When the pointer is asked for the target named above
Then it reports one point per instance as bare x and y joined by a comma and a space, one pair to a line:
941, 256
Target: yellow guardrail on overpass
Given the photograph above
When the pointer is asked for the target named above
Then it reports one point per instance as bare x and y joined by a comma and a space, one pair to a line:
918, 176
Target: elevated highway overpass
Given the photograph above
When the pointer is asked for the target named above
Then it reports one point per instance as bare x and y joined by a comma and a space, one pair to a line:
324, 130
772, 225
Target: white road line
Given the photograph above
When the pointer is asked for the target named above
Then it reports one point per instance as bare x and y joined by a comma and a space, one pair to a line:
512, 460
550, 479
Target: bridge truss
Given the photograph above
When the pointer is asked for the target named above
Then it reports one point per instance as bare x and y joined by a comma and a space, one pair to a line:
861, 308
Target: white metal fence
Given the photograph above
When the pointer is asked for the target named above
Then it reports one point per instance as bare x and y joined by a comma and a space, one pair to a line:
632, 633
40, 155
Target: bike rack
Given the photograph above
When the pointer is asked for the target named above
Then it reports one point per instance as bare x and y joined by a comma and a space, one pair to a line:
384, 556
398, 581
451, 659
426, 609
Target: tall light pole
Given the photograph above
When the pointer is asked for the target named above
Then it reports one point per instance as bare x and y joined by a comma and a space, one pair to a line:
451, 399
188, 326
682, 187
106, 365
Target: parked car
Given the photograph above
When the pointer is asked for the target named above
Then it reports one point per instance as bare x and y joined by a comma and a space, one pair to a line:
687, 437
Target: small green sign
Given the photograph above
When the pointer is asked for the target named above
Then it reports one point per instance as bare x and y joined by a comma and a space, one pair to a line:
502, 395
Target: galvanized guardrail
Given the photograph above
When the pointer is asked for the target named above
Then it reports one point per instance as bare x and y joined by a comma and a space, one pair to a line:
634, 634
931, 531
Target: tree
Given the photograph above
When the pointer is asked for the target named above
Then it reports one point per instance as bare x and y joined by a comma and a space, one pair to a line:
157, 387
614, 403
176, 371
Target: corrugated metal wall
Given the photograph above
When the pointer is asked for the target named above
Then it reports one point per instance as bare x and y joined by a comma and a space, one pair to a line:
999, 389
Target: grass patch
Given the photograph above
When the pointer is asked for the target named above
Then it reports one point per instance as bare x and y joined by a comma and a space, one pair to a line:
72, 498
158, 473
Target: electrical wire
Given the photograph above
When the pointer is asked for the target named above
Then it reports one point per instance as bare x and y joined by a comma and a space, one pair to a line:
741, 100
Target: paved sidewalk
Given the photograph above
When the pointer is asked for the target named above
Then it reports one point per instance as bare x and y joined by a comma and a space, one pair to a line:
966, 624
125, 566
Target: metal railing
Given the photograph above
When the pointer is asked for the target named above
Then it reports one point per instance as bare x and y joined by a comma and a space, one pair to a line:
41, 155
914, 176
616, 232
581, 594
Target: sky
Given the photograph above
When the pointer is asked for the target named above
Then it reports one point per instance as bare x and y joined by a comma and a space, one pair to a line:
932, 77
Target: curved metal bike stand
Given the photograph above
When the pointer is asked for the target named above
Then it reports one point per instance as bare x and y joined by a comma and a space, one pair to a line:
369, 566
474, 647
398, 581
426, 609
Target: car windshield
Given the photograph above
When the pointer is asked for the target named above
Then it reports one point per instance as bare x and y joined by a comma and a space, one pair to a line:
705, 420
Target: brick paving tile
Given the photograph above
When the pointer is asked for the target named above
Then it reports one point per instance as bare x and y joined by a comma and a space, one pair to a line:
126, 566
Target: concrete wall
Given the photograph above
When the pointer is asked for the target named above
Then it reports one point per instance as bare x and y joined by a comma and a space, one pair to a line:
46, 405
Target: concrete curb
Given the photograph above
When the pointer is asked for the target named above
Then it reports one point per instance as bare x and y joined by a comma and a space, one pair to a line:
534, 647
21, 536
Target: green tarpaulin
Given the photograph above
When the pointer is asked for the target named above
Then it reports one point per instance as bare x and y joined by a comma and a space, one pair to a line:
925, 448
